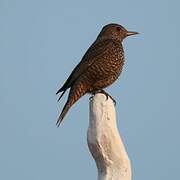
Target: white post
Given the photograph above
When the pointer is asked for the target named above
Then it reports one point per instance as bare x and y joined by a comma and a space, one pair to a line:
104, 141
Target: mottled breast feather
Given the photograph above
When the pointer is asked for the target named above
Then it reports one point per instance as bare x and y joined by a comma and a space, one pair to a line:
106, 68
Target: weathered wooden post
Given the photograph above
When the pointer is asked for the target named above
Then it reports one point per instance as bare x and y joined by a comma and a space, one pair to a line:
104, 141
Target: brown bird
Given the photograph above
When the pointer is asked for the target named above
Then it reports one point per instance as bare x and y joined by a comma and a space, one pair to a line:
100, 66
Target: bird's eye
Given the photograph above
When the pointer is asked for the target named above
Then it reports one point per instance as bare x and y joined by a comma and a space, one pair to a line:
118, 28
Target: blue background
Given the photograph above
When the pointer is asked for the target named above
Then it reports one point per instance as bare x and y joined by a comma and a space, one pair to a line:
41, 41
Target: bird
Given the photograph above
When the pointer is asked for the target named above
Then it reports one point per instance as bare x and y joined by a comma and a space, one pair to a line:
100, 66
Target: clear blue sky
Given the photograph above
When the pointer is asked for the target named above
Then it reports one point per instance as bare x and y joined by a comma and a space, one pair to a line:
40, 43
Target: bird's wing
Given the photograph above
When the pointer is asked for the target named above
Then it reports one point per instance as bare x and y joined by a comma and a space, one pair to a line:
96, 49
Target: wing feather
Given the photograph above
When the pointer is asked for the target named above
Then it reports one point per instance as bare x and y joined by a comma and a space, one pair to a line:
96, 49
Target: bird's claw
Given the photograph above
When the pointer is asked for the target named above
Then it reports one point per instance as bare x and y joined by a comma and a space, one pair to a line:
91, 98
105, 93
107, 96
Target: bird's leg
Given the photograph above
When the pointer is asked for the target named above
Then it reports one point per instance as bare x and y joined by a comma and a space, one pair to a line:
107, 95
93, 94
91, 97
103, 92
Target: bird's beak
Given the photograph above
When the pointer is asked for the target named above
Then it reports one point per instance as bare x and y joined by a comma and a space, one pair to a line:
130, 33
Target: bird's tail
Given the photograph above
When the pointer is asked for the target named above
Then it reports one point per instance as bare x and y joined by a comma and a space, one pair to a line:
74, 95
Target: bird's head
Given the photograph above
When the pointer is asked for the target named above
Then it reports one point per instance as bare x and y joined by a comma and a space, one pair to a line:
115, 31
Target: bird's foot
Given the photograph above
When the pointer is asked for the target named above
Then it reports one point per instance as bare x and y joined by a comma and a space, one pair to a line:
103, 92
91, 97
107, 95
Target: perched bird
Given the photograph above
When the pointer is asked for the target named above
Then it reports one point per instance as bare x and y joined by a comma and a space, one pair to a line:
100, 66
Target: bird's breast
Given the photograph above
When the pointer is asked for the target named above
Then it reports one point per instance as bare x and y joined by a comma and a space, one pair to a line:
105, 69
113, 59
